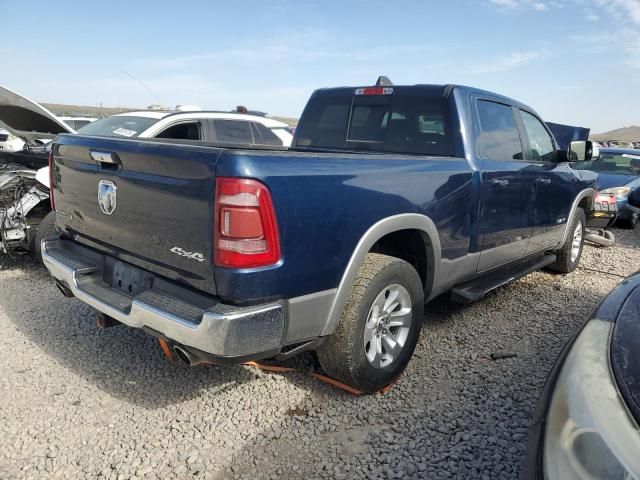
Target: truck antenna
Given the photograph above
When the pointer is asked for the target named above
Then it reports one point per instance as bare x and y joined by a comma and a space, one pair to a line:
146, 87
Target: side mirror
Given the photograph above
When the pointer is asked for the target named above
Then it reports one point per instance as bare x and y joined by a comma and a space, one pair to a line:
581, 151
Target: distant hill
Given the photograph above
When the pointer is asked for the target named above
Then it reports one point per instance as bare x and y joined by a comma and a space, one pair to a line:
625, 134
63, 110
84, 111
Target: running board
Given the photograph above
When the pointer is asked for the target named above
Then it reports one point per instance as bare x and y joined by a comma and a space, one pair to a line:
477, 288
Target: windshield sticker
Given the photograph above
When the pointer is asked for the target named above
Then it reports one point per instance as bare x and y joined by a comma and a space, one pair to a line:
124, 132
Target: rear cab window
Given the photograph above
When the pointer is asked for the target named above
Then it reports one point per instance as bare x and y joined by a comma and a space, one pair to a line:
394, 123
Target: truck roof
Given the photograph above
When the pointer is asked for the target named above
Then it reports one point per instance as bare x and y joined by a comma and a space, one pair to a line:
432, 90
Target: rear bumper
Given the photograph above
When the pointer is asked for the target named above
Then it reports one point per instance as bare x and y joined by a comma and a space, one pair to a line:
175, 312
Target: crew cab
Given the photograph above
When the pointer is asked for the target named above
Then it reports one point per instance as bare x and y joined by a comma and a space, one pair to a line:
388, 197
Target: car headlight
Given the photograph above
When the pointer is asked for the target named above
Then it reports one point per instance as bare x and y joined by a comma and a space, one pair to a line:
617, 191
589, 433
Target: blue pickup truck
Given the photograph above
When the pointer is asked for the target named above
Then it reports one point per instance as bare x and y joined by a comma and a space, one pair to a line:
388, 197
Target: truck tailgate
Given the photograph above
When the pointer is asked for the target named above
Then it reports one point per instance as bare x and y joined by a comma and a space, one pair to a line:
149, 203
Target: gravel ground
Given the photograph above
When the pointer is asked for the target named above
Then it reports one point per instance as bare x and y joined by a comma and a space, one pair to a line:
78, 402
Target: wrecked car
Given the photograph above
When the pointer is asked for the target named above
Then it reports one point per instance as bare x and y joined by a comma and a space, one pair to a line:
586, 421
24, 173
25, 213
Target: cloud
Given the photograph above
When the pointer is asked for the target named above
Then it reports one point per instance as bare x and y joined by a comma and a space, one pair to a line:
624, 33
507, 62
505, 3
622, 9
540, 7
591, 16
292, 47
283, 52
515, 5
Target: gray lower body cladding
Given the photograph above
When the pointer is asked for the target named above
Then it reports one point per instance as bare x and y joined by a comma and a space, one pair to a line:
143, 300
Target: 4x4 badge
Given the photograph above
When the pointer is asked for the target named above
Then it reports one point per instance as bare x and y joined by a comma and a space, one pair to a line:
107, 196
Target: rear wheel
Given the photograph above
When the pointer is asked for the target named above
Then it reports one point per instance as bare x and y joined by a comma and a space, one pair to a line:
46, 228
380, 325
568, 256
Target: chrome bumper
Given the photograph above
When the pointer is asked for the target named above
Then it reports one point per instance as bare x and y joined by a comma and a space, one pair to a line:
175, 312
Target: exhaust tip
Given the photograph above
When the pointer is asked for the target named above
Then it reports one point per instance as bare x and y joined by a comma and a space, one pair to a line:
66, 291
183, 355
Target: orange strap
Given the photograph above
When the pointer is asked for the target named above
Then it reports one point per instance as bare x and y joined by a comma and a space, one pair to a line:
336, 383
319, 376
269, 368
166, 349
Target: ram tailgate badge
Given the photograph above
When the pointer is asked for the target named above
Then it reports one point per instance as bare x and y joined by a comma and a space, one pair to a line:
183, 253
107, 196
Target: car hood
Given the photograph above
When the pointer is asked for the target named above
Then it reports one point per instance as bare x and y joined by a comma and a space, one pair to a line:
610, 180
565, 134
28, 119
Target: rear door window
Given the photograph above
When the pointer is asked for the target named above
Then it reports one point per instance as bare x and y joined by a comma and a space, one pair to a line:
182, 131
498, 138
233, 131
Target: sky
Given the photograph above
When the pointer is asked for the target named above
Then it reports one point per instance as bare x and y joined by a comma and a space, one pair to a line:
573, 61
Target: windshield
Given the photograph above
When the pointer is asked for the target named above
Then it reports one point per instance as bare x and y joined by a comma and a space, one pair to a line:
118, 126
382, 123
621, 163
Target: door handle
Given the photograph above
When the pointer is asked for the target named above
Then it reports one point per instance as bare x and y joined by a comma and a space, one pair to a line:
106, 160
543, 180
499, 182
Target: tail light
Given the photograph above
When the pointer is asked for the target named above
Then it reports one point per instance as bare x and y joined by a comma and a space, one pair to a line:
374, 91
245, 229
51, 201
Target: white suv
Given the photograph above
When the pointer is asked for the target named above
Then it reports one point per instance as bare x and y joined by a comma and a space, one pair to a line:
211, 127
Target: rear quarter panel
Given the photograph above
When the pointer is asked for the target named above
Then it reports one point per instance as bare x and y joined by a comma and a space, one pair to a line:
325, 202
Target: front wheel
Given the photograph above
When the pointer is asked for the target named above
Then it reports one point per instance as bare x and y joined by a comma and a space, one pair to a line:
380, 325
568, 256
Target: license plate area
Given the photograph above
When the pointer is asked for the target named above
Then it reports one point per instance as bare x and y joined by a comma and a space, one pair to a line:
128, 279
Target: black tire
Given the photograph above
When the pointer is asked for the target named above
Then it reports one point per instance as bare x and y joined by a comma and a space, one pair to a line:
630, 222
564, 263
46, 228
343, 356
